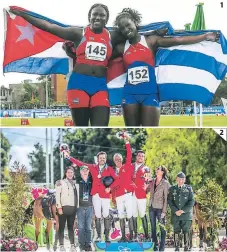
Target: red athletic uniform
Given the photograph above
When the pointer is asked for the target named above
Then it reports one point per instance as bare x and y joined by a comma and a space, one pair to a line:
125, 182
94, 49
90, 91
139, 180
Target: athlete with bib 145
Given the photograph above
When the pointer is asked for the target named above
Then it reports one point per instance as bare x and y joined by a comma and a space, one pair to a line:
87, 87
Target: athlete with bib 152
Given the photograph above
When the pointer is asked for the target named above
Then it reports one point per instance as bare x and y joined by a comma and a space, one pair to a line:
87, 88
141, 97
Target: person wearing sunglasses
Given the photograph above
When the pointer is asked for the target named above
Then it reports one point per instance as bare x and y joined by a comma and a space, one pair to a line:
159, 187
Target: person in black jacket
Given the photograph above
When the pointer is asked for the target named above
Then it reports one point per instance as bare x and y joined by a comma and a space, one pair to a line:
85, 210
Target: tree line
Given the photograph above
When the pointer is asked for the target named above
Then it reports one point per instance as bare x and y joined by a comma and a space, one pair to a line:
200, 153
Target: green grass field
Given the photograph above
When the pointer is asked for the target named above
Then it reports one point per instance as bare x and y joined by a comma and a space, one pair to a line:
165, 121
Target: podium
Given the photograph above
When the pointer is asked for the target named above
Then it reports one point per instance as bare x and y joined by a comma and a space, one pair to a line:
124, 246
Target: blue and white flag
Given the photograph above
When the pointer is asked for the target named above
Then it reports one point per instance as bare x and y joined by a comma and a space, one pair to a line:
187, 72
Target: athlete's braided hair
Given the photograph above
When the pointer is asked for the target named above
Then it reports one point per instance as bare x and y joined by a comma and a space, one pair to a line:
99, 5
134, 15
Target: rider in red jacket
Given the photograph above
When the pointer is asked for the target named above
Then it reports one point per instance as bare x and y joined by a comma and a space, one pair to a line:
124, 189
140, 172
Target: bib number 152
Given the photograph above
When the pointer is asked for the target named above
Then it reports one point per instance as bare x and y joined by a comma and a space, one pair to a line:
137, 75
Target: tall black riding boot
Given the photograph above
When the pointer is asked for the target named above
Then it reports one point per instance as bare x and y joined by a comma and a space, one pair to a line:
122, 225
130, 225
187, 242
98, 229
145, 227
177, 241
135, 229
107, 228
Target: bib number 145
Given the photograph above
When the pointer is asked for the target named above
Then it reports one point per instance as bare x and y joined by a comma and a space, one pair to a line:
96, 51
137, 75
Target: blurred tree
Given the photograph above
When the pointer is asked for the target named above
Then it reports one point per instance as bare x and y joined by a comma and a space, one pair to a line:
221, 92
5, 148
200, 153
38, 163
210, 196
13, 213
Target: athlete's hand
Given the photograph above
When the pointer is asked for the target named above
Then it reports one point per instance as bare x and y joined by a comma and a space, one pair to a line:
145, 186
107, 190
212, 36
66, 153
68, 48
126, 137
147, 176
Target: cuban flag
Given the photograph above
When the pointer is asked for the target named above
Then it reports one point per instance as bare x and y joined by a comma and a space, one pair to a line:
187, 72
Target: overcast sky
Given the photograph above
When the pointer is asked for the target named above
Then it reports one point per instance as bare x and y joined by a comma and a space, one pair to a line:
22, 142
177, 12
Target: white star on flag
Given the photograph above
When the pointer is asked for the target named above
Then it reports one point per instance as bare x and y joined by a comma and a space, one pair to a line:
27, 32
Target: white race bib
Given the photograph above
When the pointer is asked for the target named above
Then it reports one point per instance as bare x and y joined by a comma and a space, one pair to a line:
95, 51
138, 74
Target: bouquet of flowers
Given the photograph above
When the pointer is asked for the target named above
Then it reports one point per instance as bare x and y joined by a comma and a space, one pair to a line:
18, 244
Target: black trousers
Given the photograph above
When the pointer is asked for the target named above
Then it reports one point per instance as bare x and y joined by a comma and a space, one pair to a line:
70, 222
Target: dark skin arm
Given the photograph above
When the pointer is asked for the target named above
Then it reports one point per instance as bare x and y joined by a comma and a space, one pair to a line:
117, 51
157, 41
117, 38
67, 33
68, 48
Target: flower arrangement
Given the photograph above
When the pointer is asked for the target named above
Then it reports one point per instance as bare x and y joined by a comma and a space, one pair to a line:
18, 244
223, 244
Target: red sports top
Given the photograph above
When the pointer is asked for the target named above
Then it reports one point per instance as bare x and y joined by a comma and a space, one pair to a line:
97, 185
94, 49
140, 181
138, 52
125, 182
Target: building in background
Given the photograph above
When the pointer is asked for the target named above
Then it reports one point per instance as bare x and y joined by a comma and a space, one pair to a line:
6, 97
59, 88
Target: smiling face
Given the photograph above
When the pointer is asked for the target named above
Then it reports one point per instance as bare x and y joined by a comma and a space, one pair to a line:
127, 27
98, 18
102, 159
118, 160
84, 172
180, 181
69, 174
159, 172
140, 158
